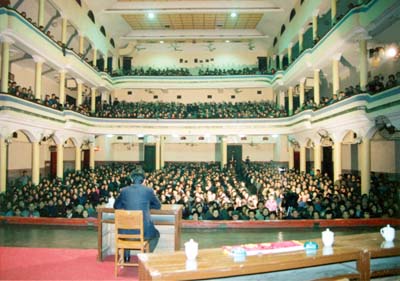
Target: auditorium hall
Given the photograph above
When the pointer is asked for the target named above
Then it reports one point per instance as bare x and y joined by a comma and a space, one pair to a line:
261, 126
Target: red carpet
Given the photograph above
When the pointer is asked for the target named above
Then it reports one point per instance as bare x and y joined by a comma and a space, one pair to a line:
58, 264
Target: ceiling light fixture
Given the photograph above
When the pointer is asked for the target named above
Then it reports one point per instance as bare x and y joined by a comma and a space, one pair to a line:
233, 15
151, 15
227, 41
391, 52
161, 42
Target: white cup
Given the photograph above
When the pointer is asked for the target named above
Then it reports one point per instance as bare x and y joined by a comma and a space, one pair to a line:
388, 233
328, 237
191, 249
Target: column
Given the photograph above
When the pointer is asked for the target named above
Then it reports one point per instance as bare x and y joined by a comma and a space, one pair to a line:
91, 156
337, 160
3, 164
81, 41
60, 160
94, 56
289, 51
78, 158
5, 62
317, 156
291, 157
62, 87
35, 163
158, 153
335, 74
104, 58
333, 12
115, 63
162, 144
363, 64
365, 165
315, 25
316, 86
38, 76
290, 100
281, 62
79, 92
64, 22
303, 158
41, 13
301, 91
281, 99
301, 32
224, 152
93, 101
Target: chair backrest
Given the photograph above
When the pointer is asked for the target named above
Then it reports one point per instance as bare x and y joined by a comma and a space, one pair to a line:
129, 224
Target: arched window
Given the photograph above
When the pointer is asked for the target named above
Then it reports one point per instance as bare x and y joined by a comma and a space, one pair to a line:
112, 42
283, 28
292, 14
301, 2
275, 41
91, 16
102, 30
79, 2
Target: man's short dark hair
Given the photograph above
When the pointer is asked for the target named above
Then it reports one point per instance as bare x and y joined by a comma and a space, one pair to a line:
137, 177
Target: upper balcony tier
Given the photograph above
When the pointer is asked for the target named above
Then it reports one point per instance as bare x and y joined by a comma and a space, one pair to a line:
358, 23
357, 113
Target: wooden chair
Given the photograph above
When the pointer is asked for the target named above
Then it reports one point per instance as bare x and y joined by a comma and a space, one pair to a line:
132, 220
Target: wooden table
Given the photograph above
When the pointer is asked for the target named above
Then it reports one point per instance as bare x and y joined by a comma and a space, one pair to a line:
213, 263
167, 221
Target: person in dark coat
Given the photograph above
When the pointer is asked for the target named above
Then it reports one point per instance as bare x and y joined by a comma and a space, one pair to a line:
137, 196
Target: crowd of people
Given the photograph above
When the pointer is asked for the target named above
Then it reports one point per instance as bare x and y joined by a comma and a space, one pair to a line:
201, 110
140, 71
232, 71
183, 71
374, 86
52, 100
174, 110
243, 191
158, 110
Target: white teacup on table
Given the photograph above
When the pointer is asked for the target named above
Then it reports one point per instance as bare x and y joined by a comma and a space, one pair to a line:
388, 233
191, 249
328, 237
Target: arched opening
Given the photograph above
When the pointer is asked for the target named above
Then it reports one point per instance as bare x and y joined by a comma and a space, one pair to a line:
275, 41
103, 30
283, 28
292, 14
112, 42
19, 173
91, 16
350, 152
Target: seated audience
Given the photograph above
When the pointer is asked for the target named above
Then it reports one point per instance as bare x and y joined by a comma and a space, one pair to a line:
208, 192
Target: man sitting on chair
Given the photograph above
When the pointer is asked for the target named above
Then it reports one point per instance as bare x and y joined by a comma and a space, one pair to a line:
136, 197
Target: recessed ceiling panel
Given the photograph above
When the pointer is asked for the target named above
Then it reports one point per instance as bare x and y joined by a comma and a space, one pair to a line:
192, 21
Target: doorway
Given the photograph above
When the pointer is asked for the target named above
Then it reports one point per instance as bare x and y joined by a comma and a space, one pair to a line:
234, 153
149, 158
327, 164
53, 163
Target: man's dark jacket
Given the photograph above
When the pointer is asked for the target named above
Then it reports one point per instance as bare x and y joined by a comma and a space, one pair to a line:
139, 197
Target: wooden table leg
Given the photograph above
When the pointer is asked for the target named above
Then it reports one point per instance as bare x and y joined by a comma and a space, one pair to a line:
100, 236
364, 265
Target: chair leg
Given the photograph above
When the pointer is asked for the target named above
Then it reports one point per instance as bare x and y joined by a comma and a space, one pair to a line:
116, 262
